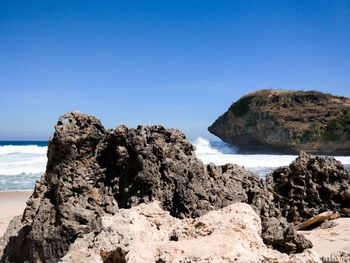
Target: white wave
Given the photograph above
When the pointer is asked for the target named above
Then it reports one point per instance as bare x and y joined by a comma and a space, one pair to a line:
29, 149
203, 147
16, 160
209, 153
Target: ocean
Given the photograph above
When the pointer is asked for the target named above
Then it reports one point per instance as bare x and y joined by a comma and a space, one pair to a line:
21, 164
24, 162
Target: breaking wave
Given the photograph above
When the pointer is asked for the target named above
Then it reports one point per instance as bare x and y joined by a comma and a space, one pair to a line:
221, 153
21, 166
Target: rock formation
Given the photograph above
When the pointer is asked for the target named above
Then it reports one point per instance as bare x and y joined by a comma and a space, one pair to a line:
92, 173
309, 186
287, 121
148, 234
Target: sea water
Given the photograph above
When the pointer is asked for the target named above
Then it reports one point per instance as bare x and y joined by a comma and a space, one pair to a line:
22, 163
221, 153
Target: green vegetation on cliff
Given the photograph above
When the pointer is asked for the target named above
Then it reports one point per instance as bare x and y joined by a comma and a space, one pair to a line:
338, 128
241, 108
291, 120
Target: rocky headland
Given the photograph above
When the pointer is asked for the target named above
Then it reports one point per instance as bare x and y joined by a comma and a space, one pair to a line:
287, 122
141, 195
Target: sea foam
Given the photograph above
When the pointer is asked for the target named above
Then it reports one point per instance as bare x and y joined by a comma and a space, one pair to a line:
21, 166
209, 152
221, 153
27, 159
16, 149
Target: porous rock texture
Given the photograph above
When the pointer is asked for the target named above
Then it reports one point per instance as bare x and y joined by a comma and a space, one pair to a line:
287, 121
93, 172
146, 233
309, 186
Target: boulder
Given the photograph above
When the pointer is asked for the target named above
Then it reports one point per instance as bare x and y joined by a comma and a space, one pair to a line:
146, 233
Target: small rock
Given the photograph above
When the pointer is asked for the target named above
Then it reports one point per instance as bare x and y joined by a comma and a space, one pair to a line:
328, 224
337, 257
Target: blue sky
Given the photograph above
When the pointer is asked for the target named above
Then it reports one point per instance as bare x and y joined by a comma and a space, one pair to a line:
177, 63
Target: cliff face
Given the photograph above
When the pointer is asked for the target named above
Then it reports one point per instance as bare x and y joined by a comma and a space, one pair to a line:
287, 121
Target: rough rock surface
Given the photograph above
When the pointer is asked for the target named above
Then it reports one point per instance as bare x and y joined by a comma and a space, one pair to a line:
287, 121
338, 257
328, 224
146, 233
309, 186
14, 226
93, 172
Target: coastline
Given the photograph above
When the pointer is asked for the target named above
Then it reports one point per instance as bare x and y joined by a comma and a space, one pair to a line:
12, 203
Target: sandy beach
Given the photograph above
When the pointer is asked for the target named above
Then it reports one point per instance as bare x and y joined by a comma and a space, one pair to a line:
11, 204
328, 241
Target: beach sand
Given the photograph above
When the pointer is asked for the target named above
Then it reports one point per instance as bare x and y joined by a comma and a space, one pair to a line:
326, 241
11, 204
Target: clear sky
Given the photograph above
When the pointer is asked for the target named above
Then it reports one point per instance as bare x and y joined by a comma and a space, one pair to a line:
177, 63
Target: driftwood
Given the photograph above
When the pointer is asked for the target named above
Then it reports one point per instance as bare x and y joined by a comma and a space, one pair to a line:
329, 215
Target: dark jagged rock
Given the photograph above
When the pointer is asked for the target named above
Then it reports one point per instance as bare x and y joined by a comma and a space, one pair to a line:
282, 236
287, 121
309, 186
69, 199
93, 172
